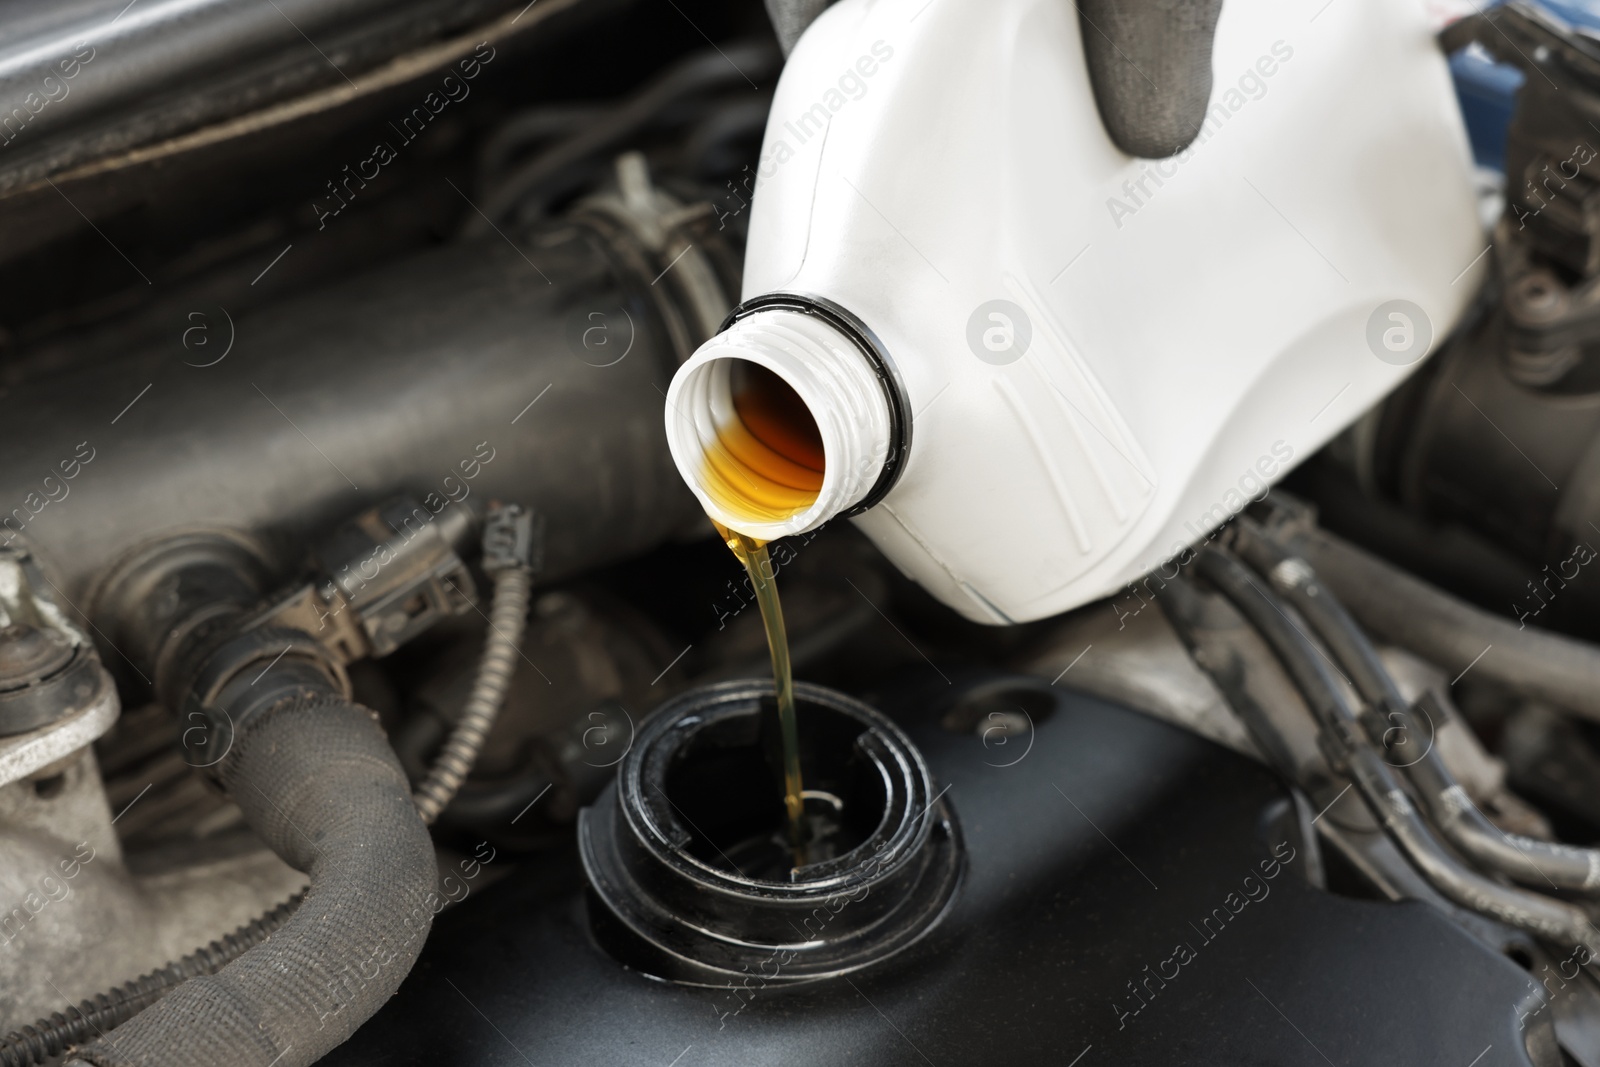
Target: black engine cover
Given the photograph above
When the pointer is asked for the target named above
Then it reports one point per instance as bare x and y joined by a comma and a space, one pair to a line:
1133, 895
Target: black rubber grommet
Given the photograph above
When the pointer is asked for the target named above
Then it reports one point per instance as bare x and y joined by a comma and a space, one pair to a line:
894, 389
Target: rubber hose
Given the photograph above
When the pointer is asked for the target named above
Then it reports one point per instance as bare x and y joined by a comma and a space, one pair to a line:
1526, 859
508, 615
53, 1035
319, 783
1555, 921
507, 620
50, 1037
1185, 609
532, 127
1405, 611
736, 64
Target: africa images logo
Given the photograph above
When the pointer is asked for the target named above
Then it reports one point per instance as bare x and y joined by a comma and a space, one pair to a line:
1399, 332
999, 332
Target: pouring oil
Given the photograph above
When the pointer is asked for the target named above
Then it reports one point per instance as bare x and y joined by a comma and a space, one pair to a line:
758, 564
768, 464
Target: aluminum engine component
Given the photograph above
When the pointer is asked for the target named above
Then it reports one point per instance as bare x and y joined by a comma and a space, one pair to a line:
55, 697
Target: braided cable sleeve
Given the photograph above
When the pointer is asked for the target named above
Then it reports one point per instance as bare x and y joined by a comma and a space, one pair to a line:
513, 588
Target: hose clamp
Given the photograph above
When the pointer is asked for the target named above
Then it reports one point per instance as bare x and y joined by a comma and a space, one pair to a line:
231, 688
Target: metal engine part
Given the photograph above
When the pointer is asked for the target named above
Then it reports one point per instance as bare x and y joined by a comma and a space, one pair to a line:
73, 918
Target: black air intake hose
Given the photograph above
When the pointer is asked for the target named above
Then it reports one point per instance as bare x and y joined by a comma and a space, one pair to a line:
1404, 610
318, 781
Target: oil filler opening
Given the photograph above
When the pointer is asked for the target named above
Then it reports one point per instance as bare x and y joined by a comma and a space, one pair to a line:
725, 787
689, 875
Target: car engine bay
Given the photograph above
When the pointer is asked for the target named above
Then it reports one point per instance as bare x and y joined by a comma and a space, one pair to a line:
377, 685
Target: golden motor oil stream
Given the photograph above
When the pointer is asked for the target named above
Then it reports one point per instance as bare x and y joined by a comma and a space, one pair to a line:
768, 463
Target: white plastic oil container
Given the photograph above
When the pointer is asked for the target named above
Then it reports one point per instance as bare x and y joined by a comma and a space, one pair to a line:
1046, 367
